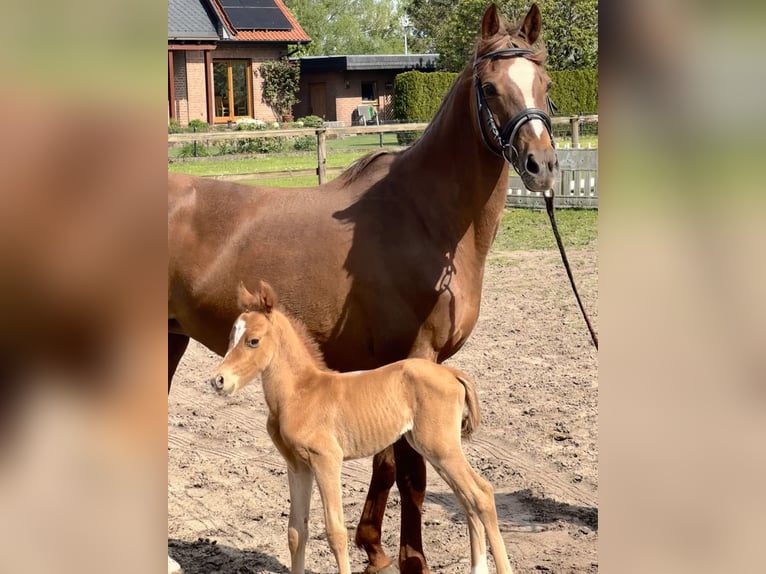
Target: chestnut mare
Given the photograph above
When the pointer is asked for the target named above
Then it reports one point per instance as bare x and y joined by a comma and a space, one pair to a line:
386, 261
318, 418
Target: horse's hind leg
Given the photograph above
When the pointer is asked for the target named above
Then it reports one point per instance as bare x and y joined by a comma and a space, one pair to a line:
411, 482
176, 348
369, 530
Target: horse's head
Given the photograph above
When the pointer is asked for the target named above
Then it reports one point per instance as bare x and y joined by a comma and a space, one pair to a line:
512, 96
251, 343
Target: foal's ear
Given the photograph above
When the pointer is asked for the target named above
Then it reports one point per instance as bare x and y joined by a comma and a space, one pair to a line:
246, 301
267, 297
490, 22
530, 28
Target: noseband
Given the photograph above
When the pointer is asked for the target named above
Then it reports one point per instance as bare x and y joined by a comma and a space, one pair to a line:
502, 140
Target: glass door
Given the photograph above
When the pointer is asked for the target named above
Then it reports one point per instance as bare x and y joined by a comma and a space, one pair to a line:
232, 90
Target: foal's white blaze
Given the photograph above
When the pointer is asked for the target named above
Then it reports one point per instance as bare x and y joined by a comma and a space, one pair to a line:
239, 330
481, 566
522, 73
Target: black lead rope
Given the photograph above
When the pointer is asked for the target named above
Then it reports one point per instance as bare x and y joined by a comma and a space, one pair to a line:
549, 208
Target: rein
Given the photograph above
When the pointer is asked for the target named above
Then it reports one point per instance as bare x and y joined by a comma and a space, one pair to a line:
502, 146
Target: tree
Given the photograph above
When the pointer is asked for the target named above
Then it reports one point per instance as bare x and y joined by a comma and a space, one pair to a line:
280, 85
349, 26
450, 28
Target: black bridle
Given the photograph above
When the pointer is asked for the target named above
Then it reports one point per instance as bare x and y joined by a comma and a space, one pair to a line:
502, 145
500, 142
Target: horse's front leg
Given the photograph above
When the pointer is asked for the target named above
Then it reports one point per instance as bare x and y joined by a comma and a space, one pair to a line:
327, 467
369, 530
411, 482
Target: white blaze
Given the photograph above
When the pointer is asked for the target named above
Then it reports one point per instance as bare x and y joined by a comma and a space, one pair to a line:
239, 330
522, 73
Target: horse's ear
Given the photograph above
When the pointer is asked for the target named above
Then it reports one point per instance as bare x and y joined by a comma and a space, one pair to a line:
246, 301
530, 28
268, 299
490, 22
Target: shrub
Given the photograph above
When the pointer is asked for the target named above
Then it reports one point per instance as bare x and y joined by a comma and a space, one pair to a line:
417, 97
250, 125
312, 121
174, 127
575, 91
199, 125
261, 145
280, 85
187, 150
305, 143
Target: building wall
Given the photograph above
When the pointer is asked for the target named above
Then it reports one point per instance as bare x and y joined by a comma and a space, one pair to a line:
342, 101
181, 103
189, 79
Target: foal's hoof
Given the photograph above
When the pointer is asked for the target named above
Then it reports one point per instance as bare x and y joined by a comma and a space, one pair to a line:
174, 567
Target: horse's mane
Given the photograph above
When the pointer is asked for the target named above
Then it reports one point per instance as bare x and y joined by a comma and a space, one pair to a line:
308, 341
355, 170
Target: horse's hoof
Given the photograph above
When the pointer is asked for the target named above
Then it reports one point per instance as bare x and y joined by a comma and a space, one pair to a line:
174, 567
390, 569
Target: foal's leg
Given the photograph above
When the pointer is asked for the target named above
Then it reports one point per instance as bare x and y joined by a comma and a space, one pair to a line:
327, 469
369, 530
478, 498
300, 481
176, 347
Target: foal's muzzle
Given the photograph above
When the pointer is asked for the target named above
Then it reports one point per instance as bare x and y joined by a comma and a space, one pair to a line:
217, 383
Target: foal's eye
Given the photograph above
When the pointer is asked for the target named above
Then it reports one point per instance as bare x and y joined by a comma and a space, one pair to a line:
253, 342
489, 89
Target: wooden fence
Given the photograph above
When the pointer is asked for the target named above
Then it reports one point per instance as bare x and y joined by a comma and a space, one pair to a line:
578, 185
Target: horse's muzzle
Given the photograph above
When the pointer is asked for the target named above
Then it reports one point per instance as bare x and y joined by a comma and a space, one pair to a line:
217, 383
539, 169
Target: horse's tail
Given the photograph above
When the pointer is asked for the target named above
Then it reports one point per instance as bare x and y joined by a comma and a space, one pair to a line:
472, 414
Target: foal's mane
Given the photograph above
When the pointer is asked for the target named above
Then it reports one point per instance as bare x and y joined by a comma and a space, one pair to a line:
308, 341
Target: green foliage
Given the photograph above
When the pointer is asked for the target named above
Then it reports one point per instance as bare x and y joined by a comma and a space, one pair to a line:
280, 85
174, 127
418, 95
312, 121
199, 125
262, 145
451, 28
188, 150
575, 91
343, 27
305, 143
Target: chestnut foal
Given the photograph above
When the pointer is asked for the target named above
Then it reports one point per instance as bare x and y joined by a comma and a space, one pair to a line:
318, 418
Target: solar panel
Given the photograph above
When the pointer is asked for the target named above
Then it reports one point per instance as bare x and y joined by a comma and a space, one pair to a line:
255, 15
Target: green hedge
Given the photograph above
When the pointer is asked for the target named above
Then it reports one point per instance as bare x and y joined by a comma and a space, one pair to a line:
418, 95
575, 91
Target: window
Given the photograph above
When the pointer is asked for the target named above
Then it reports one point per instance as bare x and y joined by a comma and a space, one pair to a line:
369, 91
232, 89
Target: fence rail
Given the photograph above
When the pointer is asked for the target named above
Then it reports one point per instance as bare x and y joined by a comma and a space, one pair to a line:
577, 187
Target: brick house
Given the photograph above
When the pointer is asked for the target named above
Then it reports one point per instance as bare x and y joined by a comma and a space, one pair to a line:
334, 87
214, 50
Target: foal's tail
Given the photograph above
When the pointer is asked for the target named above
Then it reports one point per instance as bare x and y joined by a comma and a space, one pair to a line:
472, 416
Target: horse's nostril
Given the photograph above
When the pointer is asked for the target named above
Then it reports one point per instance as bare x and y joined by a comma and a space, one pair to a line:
219, 382
532, 165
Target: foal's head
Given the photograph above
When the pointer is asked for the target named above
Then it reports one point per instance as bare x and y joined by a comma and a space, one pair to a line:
512, 87
251, 343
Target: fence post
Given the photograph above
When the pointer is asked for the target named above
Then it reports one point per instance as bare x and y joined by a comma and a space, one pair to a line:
574, 121
321, 156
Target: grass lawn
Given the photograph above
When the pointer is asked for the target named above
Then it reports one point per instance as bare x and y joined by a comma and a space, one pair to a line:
525, 229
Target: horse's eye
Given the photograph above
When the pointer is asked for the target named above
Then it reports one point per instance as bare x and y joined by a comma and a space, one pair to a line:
253, 342
489, 89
